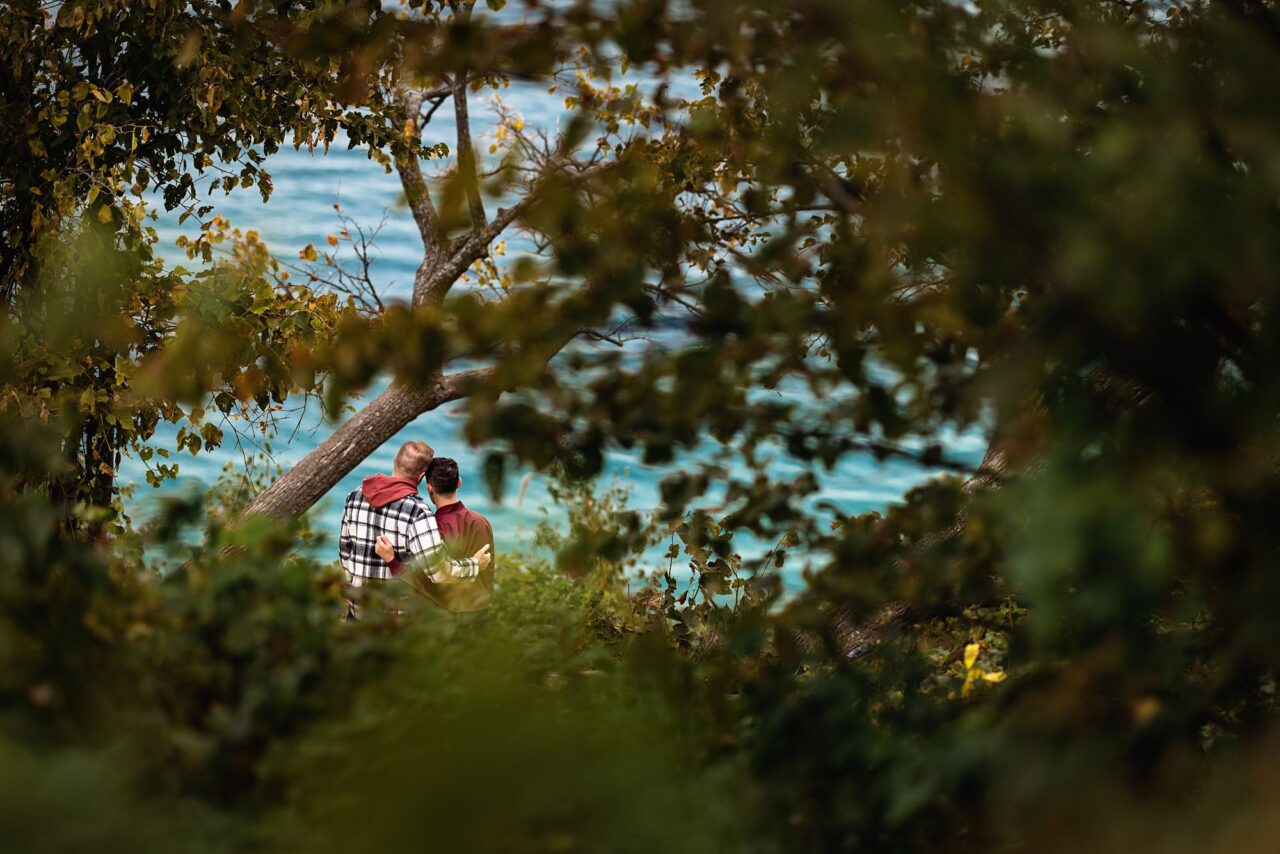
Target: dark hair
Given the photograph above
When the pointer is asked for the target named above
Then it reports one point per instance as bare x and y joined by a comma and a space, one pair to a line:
442, 474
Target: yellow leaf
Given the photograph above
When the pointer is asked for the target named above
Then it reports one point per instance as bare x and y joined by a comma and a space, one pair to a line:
1145, 709
971, 655
994, 676
309, 253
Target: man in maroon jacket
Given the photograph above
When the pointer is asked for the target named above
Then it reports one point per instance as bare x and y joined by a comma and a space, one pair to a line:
464, 532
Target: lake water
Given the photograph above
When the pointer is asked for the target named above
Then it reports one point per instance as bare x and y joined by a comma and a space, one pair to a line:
301, 211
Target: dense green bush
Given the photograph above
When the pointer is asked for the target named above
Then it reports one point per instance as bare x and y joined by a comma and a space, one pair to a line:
229, 705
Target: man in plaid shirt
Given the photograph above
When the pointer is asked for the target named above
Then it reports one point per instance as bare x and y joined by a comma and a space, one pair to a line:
391, 507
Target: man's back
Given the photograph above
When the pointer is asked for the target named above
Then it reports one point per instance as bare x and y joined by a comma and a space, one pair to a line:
400, 519
391, 507
464, 532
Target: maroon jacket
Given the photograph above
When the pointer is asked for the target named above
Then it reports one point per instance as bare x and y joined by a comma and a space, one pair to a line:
464, 533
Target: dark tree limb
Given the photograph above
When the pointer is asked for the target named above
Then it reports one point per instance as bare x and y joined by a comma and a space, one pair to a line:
466, 153
443, 264
379, 420
432, 285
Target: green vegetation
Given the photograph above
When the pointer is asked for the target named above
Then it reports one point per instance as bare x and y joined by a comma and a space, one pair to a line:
1053, 221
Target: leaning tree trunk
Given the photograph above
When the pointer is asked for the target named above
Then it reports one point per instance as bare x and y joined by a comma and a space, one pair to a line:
379, 420
443, 264
390, 412
318, 472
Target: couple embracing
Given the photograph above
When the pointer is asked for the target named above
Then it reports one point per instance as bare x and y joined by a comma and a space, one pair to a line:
390, 534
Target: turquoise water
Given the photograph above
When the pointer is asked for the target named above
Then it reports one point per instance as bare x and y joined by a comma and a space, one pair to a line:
301, 211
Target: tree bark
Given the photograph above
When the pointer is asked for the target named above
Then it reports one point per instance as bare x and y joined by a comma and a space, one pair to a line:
397, 407
383, 417
443, 263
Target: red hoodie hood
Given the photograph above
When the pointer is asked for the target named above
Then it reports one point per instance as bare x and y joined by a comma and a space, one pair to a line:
381, 490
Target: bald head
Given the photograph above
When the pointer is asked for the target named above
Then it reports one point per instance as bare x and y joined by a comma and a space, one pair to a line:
413, 458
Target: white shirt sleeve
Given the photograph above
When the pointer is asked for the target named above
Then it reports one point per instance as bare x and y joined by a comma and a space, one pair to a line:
426, 549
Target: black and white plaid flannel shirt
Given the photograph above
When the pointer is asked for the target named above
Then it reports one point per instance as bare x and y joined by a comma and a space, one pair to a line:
410, 526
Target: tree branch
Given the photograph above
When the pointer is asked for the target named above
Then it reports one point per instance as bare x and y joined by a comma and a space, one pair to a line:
431, 287
436, 285
843, 193
459, 385
424, 212
466, 153
416, 192
378, 421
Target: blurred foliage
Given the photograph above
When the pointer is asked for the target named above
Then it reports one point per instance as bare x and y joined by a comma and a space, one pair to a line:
874, 224
227, 705
107, 110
